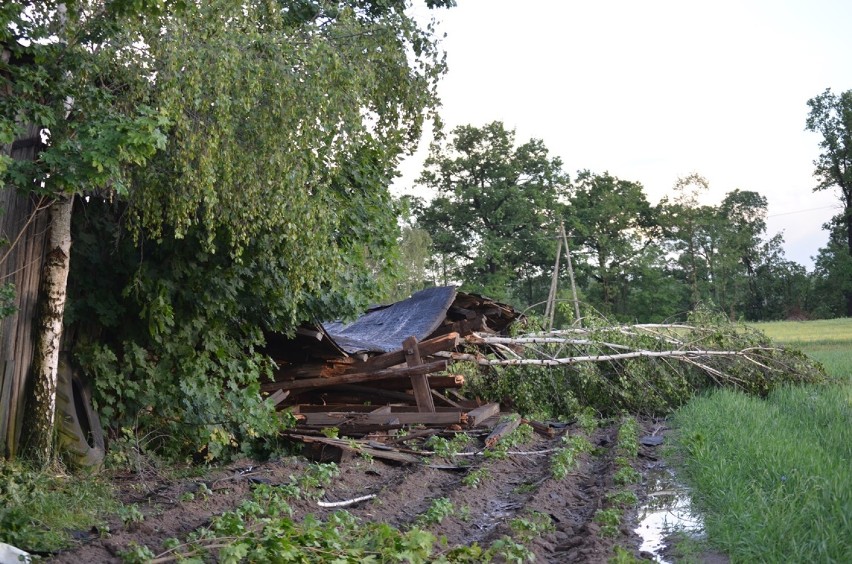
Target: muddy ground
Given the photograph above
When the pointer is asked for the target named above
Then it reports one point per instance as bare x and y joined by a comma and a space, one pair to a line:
514, 487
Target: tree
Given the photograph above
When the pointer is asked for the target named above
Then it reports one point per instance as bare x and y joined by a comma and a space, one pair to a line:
612, 220
832, 272
495, 209
252, 141
831, 116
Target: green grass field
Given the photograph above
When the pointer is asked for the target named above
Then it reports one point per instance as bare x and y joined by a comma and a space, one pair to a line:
773, 476
827, 340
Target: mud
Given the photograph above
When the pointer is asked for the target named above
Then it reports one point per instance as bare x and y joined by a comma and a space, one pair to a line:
520, 485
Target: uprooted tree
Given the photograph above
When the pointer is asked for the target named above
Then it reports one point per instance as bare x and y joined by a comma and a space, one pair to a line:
235, 157
644, 368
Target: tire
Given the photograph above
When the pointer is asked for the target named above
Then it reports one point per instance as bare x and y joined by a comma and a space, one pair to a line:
81, 437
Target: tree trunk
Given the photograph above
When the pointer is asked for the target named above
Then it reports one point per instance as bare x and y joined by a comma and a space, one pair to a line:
42, 406
23, 223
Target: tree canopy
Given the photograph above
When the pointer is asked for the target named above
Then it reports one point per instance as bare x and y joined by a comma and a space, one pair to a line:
831, 117
495, 212
235, 157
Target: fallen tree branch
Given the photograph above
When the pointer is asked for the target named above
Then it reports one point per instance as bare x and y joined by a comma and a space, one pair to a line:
347, 502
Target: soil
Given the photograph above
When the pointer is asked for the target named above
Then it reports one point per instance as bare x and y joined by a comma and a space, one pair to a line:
514, 487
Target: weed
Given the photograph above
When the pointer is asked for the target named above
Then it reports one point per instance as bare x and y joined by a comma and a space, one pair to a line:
136, 554
623, 498
447, 448
565, 459
331, 432
522, 435
626, 475
475, 477
528, 528
130, 514
587, 419
38, 507
510, 551
627, 443
439, 509
609, 520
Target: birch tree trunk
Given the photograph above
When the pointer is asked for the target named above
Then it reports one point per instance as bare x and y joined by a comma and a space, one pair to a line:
42, 407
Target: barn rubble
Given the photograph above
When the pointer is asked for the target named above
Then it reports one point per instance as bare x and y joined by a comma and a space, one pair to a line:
385, 370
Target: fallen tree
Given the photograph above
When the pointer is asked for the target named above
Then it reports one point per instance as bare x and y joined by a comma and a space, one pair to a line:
643, 368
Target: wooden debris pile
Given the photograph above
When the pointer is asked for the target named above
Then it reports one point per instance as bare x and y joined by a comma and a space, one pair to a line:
354, 378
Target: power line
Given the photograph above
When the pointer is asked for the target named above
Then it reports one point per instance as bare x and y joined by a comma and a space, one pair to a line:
801, 211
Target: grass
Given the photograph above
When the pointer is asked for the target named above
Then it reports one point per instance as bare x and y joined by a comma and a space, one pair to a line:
39, 508
826, 340
773, 476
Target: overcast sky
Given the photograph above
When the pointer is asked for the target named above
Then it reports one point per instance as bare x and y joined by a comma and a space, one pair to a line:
652, 90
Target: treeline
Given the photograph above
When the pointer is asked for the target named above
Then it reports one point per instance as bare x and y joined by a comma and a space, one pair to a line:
494, 225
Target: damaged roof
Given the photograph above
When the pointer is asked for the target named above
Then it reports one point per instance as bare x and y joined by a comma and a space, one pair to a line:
383, 329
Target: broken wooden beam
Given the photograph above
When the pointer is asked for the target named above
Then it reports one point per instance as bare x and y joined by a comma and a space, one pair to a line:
427, 348
339, 418
309, 383
419, 383
501, 430
477, 416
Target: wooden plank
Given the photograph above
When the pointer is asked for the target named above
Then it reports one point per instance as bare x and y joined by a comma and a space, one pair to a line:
436, 382
501, 430
419, 384
342, 418
445, 399
480, 414
427, 348
386, 374
359, 448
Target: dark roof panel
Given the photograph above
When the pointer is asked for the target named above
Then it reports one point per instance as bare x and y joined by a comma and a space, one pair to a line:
384, 330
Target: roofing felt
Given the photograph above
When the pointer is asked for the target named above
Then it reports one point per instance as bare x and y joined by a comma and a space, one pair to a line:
384, 329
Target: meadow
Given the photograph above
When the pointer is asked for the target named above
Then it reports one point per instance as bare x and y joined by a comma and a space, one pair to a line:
773, 476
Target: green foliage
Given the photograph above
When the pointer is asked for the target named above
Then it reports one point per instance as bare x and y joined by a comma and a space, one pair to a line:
475, 477
438, 510
609, 520
447, 447
527, 529
627, 442
623, 498
650, 385
520, 436
235, 159
7, 300
565, 460
493, 201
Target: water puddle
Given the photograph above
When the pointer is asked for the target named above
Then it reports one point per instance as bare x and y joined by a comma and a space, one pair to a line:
667, 510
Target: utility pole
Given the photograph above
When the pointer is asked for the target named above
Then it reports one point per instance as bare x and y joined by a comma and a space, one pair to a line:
550, 309
571, 274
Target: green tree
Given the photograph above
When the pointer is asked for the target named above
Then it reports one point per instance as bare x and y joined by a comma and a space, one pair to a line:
238, 154
831, 116
494, 214
612, 221
832, 274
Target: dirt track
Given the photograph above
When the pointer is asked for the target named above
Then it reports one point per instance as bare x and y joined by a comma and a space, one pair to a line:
515, 486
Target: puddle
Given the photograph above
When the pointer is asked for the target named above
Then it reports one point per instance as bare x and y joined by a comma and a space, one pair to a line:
668, 509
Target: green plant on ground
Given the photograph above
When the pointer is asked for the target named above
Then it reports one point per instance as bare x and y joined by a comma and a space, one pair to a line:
475, 477
624, 556
627, 443
438, 510
447, 447
609, 520
626, 475
130, 514
510, 551
534, 525
564, 460
623, 498
261, 530
588, 420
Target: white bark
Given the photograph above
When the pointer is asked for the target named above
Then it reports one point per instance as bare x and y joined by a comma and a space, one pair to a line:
49, 330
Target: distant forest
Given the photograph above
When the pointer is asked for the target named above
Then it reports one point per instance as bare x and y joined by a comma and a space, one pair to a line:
494, 225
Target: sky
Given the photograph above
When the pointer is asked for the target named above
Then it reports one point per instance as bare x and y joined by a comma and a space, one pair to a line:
654, 90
